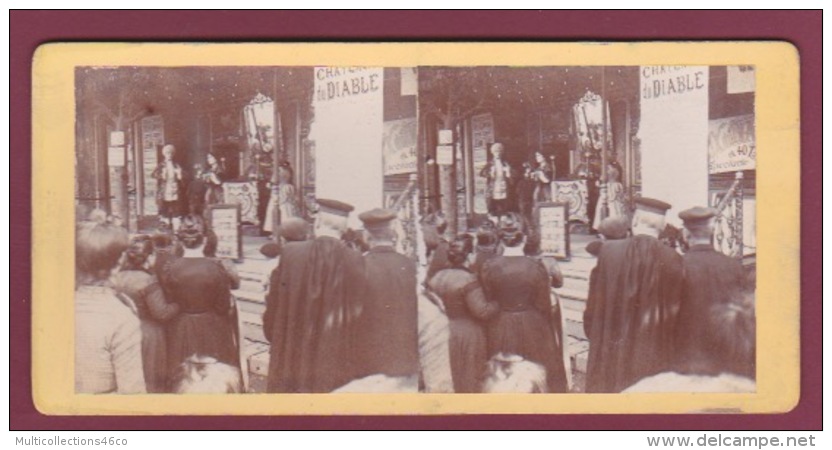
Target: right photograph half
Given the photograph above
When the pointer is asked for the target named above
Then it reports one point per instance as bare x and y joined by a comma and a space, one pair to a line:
586, 229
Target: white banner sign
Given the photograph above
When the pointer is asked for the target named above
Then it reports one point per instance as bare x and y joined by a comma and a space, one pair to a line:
348, 133
674, 135
410, 81
741, 79
731, 145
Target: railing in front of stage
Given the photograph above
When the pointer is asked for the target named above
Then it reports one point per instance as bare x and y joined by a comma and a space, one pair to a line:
728, 236
407, 227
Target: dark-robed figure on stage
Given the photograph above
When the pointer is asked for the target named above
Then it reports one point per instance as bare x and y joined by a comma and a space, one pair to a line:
632, 305
315, 297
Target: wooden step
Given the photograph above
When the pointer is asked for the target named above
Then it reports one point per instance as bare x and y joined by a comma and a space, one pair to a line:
251, 296
573, 294
575, 284
576, 274
253, 286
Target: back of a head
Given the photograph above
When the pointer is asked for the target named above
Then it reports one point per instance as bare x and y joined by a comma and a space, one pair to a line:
206, 375
731, 336
671, 236
355, 240
99, 245
614, 228
166, 243
512, 230
509, 373
137, 253
648, 222
191, 232
294, 229
487, 236
459, 249
699, 233
326, 223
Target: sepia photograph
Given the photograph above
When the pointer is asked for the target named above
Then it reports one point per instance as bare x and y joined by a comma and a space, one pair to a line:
428, 228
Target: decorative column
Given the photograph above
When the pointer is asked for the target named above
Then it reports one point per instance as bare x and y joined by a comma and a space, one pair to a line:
738, 219
447, 184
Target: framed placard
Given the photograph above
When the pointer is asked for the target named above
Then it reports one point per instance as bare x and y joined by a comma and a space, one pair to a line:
224, 221
553, 223
244, 194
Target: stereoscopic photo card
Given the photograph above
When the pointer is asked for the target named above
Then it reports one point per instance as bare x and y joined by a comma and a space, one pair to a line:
415, 228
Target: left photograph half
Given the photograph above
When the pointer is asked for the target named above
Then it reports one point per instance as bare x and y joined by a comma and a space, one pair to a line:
247, 229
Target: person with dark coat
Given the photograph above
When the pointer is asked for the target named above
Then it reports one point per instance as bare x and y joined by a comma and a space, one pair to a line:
197, 188
524, 326
711, 278
260, 172
201, 287
315, 297
488, 245
467, 310
137, 280
386, 333
632, 304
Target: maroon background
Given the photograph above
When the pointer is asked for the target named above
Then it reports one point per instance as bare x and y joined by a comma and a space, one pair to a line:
28, 29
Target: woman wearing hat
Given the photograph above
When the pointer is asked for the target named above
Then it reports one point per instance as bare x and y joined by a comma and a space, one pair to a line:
521, 286
543, 173
108, 337
201, 287
137, 280
467, 310
214, 177
613, 197
488, 245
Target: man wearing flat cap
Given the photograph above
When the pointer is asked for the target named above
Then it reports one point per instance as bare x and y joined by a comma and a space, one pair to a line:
632, 304
387, 331
314, 300
711, 279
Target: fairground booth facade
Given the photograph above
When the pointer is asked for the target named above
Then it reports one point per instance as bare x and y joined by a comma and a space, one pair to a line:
418, 140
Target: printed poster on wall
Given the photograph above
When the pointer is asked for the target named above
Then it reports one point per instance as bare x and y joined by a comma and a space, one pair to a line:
482, 134
153, 136
399, 146
674, 135
348, 133
741, 79
731, 144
